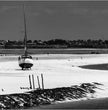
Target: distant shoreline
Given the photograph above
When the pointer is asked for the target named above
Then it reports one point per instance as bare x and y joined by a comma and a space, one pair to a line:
56, 51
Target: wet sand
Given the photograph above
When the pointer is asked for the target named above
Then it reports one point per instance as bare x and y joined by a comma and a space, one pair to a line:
100, 103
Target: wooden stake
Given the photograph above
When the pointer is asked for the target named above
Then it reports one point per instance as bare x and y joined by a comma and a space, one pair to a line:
30, 82
38, 82
42, 81
33, 81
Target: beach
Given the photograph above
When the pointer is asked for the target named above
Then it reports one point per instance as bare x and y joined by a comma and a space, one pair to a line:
59, 70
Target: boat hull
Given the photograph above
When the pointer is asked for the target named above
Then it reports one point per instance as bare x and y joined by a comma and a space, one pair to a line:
25, 63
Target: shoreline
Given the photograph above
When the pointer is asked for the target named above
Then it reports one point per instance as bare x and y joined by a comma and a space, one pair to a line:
57, 51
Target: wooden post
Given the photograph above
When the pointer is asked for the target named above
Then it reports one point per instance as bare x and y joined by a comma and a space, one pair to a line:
30, 82
38, 82
33, 81
42, 81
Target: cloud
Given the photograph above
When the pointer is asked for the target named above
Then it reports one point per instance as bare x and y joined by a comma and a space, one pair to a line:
104, 11
70, 11
35, 14
6, 8
79, 11
37, 11
49, 11
88, 11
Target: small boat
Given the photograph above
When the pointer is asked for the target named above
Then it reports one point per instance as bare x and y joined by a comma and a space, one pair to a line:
25, 61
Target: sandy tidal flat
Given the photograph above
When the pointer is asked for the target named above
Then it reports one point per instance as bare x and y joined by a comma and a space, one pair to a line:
58, 70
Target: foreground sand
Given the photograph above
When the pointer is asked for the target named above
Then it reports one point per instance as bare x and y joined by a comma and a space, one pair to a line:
100, 103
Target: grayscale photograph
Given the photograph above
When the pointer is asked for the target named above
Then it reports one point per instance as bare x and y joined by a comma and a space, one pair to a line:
53, 54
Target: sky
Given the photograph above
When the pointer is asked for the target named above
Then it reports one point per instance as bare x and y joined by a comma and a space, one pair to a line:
46, 20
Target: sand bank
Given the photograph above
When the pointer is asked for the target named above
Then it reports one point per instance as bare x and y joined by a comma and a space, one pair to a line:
59, 70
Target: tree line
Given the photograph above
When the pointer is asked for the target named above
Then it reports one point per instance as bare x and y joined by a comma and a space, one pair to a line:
55, 43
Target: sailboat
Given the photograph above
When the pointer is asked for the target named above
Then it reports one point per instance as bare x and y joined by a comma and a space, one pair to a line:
25, 61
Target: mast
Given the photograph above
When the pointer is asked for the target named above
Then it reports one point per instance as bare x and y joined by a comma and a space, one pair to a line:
25, 33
